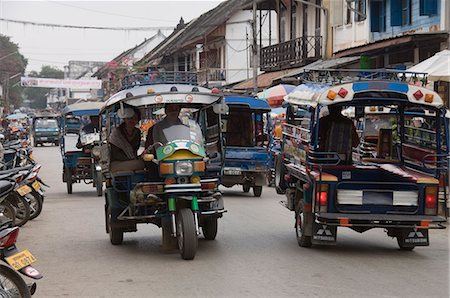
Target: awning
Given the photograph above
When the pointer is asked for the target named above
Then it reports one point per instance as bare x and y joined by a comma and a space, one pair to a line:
263, 80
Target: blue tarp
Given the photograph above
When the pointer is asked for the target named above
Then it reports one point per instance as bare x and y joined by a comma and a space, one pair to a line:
83, 108
252, 103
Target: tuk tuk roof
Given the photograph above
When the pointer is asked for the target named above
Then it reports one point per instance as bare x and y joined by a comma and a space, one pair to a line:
83, 108
251, 102
314, 94
159, 94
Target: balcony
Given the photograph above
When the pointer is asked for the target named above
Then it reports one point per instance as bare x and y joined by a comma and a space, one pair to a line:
292, 53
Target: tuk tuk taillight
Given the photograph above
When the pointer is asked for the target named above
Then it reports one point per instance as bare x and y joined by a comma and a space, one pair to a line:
431, 194
322, 198
343, 92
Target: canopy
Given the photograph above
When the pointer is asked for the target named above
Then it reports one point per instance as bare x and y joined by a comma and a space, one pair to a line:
437, 67
83, 108
274, 95
252, 103
16, 116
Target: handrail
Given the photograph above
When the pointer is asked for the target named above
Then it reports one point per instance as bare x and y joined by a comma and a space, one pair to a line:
159, 77
439, 160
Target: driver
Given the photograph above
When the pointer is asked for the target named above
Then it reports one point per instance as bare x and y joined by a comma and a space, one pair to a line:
155, 133
92, 127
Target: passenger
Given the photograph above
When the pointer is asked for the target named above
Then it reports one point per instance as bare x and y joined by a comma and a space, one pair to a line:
337, 133
155, 133
92, 127
125, 141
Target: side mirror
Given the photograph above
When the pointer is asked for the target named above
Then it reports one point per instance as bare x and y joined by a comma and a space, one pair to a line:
221, 108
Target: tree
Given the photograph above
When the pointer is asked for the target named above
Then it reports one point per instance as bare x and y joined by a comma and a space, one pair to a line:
37, 95
12, 65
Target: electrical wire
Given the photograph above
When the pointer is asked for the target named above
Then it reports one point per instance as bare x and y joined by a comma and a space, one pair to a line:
156, 28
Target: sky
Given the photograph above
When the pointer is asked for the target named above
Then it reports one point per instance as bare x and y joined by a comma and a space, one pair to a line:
57, 46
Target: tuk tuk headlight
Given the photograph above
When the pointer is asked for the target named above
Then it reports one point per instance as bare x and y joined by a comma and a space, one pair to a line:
184, 168
96, 151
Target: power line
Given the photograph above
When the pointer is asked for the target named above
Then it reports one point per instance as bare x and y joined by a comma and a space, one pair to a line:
109, 13
156, 28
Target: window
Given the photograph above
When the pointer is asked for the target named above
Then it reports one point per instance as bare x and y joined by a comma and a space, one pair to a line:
360, 7
400, 13
428, 7
348, 14
293, 19
378, 15
282, 27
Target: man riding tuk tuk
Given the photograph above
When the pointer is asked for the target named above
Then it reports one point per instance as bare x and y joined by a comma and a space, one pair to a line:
363, 172
247, 137
81, 154
173, 181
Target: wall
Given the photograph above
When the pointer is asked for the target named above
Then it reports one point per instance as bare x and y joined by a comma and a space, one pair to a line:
238, 47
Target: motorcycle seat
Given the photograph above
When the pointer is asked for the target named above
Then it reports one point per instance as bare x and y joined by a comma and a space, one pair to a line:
16, 170
5, 187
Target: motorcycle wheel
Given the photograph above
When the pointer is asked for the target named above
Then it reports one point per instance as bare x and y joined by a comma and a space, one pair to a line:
8, 211
245, 188
22, 211
69, 181
186, 234
35, 204
210, 229
115, 235
12, 284
257, 191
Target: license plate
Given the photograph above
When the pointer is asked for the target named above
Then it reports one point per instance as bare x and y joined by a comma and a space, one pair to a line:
44, 138
36, 185
21, 259
24, 190
232, 171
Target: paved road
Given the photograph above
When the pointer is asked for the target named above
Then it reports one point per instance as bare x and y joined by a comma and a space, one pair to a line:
255, 254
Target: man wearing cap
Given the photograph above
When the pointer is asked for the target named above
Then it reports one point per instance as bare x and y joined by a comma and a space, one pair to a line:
156, 132
125, 141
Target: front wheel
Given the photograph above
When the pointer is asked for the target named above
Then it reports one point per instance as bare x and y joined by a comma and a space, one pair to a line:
186, 234
12, 284
69, 181
115, 234
303, 241
210, 229
245, 188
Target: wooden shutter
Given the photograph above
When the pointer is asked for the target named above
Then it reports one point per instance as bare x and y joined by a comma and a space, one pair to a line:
337, 12
396, 13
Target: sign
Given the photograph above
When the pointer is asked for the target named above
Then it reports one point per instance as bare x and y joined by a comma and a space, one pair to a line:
59, 83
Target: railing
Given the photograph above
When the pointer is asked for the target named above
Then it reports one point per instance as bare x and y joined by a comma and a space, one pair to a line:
292, 53
211, 75
159, 77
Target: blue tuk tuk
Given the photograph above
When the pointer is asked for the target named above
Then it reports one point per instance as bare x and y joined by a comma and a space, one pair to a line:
81, 164
247, 132
378, 166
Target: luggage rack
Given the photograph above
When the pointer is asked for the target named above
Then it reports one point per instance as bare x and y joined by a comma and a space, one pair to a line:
159, 77
342, 76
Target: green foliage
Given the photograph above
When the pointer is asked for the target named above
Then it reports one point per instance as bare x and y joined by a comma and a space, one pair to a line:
37, 95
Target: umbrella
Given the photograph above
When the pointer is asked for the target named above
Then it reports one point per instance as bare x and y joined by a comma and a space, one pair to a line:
437, 67
16, 116
274, 95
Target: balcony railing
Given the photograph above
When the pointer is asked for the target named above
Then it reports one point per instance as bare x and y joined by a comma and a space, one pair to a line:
292, 53
211, 75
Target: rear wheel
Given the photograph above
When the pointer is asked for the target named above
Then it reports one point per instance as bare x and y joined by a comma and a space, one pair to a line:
401, 244
12, 284
35, 205
257, 191
245, 188
303, 241
8, 211
186, 234
69, 180
115, 234
22, 211
210, 229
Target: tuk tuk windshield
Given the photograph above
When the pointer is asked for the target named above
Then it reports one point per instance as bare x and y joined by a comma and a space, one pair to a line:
190, 131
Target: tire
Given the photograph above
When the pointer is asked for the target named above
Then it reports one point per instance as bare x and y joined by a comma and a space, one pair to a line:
280, 171
23, 211
210, 229
57, 143
401, 244
34, 143
35, 204
99, 184
12, 283
302, 240
257, 191
245, 188
8, 211
69, 181
186, 234
115, 234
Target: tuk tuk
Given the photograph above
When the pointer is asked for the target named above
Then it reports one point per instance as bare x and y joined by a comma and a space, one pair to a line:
174, 183
72, 124
247, 137
45, 129
366, 171
81, 163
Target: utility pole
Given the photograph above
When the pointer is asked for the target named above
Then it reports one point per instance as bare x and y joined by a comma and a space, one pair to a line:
254, 50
